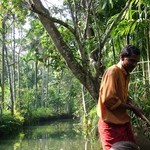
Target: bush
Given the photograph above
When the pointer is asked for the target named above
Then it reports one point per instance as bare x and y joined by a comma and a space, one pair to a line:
9, 125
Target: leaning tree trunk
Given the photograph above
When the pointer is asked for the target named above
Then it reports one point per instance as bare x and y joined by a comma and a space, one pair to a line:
84, 76
80, 70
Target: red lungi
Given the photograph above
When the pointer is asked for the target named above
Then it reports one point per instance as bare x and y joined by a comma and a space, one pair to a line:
111, 133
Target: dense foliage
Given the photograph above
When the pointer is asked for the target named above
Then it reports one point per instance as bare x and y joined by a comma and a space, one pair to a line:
35, 80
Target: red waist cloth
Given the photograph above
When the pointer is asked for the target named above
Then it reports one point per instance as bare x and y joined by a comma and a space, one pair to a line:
111, 133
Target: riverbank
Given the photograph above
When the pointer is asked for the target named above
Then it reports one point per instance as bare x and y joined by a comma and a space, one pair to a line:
49, 118
11, 125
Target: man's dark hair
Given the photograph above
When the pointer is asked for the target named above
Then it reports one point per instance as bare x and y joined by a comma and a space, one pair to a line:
124, 145
130, 50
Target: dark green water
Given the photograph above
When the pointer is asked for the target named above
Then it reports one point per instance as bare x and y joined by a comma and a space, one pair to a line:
49, 136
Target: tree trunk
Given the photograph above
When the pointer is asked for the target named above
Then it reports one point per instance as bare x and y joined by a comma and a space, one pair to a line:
43, 87
84, 76
47, 81
19, 66
10, 82
81, 69
18, 94
14, 62
3, 64
83, 100
148, 53
36, 84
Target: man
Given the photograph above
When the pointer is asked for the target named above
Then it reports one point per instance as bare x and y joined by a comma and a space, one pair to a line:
114, 121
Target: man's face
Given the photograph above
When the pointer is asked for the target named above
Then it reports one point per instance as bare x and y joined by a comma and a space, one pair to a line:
129, 63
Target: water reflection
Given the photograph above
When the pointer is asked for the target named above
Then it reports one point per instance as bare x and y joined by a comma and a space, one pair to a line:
49, 136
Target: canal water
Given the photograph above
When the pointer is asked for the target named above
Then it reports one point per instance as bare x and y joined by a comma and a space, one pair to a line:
49, 136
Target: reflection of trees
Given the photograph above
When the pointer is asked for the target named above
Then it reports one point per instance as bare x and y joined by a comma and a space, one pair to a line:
86, 144
17, 144
55, 136
54, 130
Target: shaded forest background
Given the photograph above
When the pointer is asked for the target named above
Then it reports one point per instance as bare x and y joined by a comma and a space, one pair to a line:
52, 58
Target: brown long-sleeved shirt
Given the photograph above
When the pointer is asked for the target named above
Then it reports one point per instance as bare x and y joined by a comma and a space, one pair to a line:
113, 92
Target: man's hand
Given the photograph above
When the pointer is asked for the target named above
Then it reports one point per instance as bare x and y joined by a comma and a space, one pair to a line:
138, 111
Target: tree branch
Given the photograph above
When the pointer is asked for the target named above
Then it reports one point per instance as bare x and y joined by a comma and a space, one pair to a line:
46, 14
81, 73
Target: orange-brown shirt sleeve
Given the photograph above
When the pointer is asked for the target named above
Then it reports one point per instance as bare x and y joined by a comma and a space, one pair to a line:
109, 90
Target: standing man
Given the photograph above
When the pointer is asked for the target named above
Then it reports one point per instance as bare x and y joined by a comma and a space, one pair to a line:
114, 121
